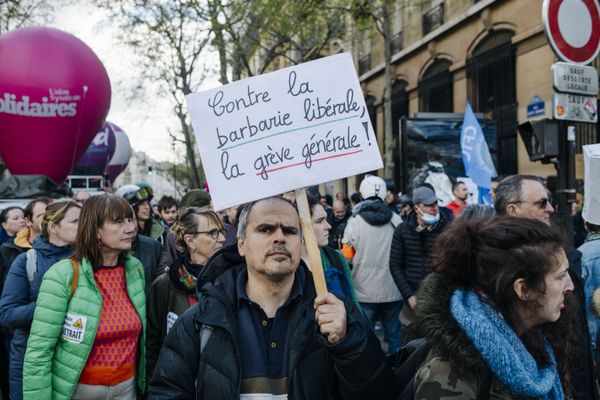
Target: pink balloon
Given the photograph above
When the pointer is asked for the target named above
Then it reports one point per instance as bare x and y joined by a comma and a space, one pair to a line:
54, 96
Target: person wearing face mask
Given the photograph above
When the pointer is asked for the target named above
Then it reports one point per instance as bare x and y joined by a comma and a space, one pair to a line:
58, 230
411, 245
201, 233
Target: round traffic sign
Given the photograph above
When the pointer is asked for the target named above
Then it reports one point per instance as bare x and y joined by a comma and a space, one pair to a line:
573, 29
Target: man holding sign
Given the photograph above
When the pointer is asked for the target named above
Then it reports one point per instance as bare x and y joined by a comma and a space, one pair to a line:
259, 332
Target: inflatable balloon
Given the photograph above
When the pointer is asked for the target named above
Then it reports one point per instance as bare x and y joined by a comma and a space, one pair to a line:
54, 96
98, 153
121, 155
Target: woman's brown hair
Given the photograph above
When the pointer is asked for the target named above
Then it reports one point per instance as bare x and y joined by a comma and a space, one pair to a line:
55, 212
95, 212
187, 223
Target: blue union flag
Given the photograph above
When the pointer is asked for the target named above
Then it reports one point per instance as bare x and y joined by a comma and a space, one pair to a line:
475, 153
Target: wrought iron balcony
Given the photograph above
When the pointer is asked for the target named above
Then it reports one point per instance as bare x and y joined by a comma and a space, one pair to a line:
433, 18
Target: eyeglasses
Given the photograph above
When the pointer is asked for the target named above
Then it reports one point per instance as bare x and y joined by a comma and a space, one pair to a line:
214, 233
543, 203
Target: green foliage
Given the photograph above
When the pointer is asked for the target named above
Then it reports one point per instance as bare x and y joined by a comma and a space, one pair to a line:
17, 13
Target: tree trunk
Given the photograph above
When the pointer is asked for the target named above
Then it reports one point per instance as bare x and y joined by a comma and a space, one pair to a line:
219, 41
189, 150
387, 97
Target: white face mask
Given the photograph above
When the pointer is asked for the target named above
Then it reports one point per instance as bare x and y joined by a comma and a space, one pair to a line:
428, 218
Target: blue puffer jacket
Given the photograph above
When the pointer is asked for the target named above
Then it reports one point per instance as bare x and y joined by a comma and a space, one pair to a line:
18, 303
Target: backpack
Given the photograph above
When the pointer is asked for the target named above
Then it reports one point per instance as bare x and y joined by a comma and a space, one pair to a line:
31, 267
407, 361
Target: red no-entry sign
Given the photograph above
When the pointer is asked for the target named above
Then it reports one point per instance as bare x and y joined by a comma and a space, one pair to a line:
573, 29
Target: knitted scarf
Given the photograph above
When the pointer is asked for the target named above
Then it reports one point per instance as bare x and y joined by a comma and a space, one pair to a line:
188, 273
502, 350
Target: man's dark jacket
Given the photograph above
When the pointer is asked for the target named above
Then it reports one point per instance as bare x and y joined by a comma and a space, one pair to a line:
354, 368
410, 250
147, 250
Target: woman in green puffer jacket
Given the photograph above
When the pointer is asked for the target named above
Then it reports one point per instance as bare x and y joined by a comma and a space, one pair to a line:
88, 336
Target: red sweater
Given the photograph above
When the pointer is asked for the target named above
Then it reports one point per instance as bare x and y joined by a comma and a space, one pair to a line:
112, 359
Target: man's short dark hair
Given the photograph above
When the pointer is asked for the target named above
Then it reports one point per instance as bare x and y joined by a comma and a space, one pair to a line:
509, 191
28, 211
247, 208
457, 184
166, 202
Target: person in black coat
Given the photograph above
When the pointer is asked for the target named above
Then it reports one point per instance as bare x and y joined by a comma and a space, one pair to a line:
255, 329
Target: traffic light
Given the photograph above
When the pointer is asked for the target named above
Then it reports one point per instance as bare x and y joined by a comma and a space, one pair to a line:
149, 169
541, 139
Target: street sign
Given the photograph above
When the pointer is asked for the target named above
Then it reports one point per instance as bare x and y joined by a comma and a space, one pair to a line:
573, 78
536, 107
573, 29
574, 107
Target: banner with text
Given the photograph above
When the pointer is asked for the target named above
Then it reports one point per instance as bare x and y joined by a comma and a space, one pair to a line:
293, 128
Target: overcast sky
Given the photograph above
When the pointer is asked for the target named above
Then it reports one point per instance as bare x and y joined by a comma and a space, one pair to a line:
145, 121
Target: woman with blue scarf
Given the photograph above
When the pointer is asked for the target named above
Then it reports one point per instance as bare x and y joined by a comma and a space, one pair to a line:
492, 312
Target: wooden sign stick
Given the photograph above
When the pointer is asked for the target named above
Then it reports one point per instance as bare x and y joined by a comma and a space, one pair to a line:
310, 239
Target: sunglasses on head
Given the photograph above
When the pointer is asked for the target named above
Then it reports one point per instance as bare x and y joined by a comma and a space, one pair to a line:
144, 193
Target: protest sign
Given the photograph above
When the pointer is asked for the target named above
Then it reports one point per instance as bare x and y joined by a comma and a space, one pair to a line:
591, 161
293, 128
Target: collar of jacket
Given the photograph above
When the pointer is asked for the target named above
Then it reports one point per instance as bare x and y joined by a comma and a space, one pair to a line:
49, 249
443, 332
131, 264
216, 289
22, 239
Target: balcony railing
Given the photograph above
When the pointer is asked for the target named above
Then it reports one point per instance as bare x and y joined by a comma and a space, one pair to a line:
364, 64
396, 43
433, 18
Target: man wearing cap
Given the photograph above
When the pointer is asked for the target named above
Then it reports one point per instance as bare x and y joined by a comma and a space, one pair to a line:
368, 235
411, 245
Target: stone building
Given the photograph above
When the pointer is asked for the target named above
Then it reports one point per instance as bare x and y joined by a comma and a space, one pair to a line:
493, 53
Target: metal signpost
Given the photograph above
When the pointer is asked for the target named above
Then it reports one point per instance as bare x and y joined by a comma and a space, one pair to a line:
573, 31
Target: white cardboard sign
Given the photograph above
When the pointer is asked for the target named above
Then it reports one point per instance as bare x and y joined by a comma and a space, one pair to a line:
293, 128
591, 162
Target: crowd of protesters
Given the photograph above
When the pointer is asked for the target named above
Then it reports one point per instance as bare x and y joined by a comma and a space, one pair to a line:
106, 297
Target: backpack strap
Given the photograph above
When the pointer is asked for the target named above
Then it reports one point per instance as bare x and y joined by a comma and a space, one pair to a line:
31, 265
75, 279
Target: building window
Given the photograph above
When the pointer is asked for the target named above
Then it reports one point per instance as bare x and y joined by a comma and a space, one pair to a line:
433, 18
396, 43
492, 91
435, 88
399, 111
364, 64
